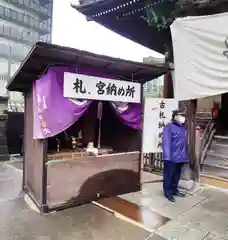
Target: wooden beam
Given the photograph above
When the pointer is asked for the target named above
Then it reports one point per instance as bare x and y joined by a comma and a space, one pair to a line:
196, 9
191, 119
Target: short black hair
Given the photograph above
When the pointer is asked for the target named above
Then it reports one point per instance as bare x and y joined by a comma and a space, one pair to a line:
180, 111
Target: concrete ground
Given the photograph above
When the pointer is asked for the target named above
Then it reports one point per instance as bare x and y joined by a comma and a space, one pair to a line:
200, 216
147, 177
196, 217
87, 222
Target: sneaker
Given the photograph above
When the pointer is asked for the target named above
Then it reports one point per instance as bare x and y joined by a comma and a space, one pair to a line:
171, 198
179, 194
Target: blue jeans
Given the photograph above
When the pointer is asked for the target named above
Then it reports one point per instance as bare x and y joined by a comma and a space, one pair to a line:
171, 177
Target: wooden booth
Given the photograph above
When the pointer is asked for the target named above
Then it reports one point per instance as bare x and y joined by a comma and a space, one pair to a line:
82, 136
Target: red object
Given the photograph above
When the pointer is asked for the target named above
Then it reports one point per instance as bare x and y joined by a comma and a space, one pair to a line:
215, 109
200, 130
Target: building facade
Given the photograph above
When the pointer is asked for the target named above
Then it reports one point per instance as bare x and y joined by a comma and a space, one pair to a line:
154, 88
22, 23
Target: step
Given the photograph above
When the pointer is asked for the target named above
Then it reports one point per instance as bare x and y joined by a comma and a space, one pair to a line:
2, 124
218, 151
214, 156
216, 161
3, 141
3, 149
4, 157
219, 144
215, 165
220, 139
224, 137
220, 181
214, 170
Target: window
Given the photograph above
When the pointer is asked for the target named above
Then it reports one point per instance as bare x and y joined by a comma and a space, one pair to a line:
6, 31
14, 15
1, 10
7, 12
20, 17
27, 2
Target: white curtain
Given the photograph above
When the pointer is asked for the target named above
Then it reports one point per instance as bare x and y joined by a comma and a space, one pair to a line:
200, 47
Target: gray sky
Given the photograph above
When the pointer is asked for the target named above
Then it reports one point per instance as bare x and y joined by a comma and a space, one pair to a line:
70, 28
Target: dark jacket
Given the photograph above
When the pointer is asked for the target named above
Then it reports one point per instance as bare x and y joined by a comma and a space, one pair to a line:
175, 143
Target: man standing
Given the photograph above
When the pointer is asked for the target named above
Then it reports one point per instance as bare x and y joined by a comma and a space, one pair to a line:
175, 153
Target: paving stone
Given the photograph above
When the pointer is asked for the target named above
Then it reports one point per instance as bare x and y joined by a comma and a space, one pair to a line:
197, 217
17, 164
179, 231
10, 182
152, 196
212, 236
150, 177
86, 222
156, 237
19, 222
211, 215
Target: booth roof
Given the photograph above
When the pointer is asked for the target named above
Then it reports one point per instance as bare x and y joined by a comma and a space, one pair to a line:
45, 55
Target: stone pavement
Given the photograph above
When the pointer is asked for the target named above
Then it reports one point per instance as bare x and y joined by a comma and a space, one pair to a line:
87, 222
10, 182
196, 217
147, 177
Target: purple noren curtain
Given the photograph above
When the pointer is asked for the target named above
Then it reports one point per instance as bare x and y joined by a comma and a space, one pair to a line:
53, 113
129, 113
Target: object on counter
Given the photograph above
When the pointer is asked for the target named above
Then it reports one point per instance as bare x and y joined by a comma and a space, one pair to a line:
74, 142
91, 149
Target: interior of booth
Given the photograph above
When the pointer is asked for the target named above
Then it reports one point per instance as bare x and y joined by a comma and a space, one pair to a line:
107, 132
75, 175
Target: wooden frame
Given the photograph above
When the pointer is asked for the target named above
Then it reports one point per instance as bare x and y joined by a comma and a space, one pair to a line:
49, 188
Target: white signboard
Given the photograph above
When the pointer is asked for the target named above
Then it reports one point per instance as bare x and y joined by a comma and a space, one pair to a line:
157, 113
80, 86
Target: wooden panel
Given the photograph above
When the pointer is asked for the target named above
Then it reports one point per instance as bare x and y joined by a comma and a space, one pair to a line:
90, 178
33, 153
67, 155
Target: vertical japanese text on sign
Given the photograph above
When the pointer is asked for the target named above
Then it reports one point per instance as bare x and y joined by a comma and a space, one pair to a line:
161, 123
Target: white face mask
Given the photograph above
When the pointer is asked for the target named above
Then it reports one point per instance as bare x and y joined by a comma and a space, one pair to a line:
180, 119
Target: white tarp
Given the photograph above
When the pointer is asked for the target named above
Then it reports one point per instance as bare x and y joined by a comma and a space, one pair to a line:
200, 46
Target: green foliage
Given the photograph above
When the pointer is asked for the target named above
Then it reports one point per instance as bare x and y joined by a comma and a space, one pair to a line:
155, 18
158, 14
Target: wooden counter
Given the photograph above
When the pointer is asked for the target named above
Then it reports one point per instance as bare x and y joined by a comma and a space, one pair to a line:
92, 178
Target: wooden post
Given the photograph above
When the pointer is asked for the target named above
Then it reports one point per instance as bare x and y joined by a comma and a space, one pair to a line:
194, 161
191, 117
141, 155
168, 91
168, 86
